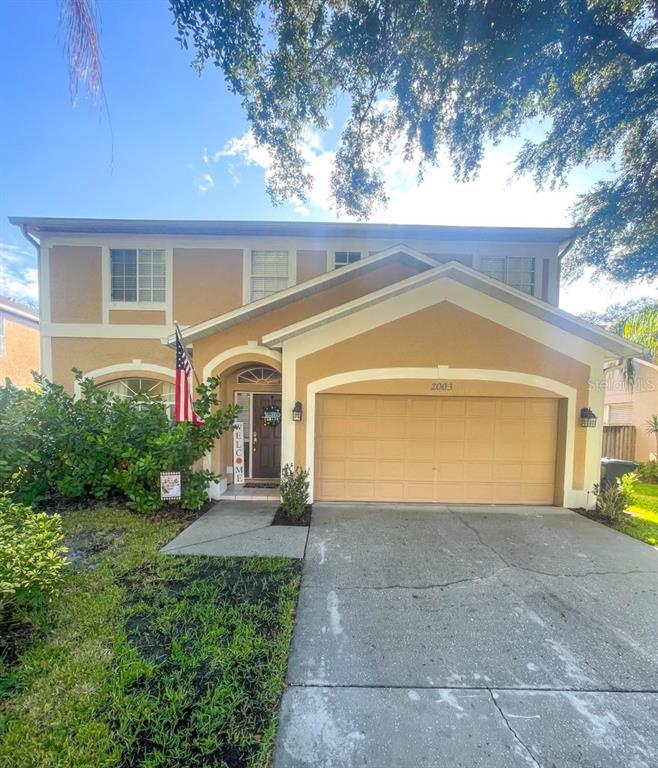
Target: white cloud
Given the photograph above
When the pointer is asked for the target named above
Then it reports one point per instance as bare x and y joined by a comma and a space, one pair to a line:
18, 275
207, 182
588, 295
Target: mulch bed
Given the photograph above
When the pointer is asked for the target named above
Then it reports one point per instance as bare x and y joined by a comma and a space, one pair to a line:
281, 518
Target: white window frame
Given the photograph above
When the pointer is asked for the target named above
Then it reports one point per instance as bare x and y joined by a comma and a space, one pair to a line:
152, 305
346, 250
612, 407
246, 266
538, 267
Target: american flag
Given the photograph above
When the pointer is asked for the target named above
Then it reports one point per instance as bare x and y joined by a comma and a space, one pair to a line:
184, 405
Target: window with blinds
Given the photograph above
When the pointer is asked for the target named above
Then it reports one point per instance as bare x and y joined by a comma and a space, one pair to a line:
517, 271
138, 275
620, 414
269, 273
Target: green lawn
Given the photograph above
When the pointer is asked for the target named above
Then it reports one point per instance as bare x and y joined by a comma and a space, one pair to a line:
150, 660
643, 524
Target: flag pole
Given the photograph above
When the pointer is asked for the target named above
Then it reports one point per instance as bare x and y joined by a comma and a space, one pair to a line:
180, 336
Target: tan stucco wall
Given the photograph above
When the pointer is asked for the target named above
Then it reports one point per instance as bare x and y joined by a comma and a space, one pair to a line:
21, 351
136, 317
454, 337
310, 264
253, 330
644, 398
207, 282
90, 354
75, 284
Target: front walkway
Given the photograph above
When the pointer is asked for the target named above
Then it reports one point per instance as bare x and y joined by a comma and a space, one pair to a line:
240, 529
472, 636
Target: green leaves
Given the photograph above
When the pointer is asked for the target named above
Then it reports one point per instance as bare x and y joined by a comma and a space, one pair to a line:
455, 75
32, 558
100, 444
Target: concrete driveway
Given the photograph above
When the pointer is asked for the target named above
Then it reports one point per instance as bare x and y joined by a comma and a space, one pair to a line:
472, 636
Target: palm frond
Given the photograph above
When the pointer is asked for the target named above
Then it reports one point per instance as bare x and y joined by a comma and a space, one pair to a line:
82, 47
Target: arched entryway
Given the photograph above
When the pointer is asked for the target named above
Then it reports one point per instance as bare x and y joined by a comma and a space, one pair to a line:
252, 381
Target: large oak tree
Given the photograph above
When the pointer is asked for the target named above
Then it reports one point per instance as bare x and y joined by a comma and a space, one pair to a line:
454, 74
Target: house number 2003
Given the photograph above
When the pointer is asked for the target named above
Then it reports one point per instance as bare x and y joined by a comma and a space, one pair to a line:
441, 386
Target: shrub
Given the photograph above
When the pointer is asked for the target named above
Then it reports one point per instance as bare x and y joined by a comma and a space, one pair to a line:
100, 444
647, 471
613, 498
32, 557
294, 490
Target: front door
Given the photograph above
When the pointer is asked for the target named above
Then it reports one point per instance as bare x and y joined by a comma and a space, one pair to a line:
266, 439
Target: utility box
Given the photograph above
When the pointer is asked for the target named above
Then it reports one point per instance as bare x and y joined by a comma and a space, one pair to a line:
613, 469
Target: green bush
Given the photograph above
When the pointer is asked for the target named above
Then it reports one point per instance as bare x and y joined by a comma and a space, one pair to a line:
32, 557
647, 471
294, 490
100, 445
613, 498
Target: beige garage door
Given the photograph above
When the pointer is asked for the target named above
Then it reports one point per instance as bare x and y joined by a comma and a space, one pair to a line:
443, 449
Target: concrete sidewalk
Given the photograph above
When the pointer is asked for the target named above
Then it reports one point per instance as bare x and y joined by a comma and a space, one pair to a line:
240, 529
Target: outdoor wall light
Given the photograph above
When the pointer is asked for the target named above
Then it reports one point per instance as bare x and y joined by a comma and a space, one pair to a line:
587, 418
297, 412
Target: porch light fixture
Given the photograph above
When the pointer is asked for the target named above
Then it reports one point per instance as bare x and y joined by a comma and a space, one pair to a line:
297, 412
587, 418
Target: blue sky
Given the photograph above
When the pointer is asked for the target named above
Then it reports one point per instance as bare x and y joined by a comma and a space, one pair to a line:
179, 147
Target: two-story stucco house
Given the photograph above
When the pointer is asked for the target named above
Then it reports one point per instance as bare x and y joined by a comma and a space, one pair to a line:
19, 342
430, 364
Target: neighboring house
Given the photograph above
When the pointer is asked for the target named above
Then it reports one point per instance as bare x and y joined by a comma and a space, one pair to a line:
633, 407
431, 364
19, 342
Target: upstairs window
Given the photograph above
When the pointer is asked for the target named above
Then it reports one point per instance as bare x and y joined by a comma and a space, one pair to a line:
269, 273
517, 271
138, 275
343, 258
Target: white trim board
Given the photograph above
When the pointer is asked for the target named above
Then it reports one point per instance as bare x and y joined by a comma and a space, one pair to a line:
485, 286
131, 367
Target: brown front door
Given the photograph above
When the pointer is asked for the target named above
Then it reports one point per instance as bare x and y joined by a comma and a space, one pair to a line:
266, 443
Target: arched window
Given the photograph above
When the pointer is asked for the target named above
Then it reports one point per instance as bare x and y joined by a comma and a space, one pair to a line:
261, 374
152, 388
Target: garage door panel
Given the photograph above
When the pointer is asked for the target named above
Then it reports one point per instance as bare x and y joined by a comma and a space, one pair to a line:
450, 471
538, 473
449, 449
419, 471
509, 431
424, 407
478, 451
450, 429
510, 409
362, 406
481, 408
441, 449
419, 492
508, 451
452, 406
362, 449
478, 472
333, 447
390, 470
420, 429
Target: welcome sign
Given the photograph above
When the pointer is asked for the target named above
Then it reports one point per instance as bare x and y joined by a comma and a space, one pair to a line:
238, 454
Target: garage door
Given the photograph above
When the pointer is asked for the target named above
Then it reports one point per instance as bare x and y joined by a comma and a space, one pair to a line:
425, 449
